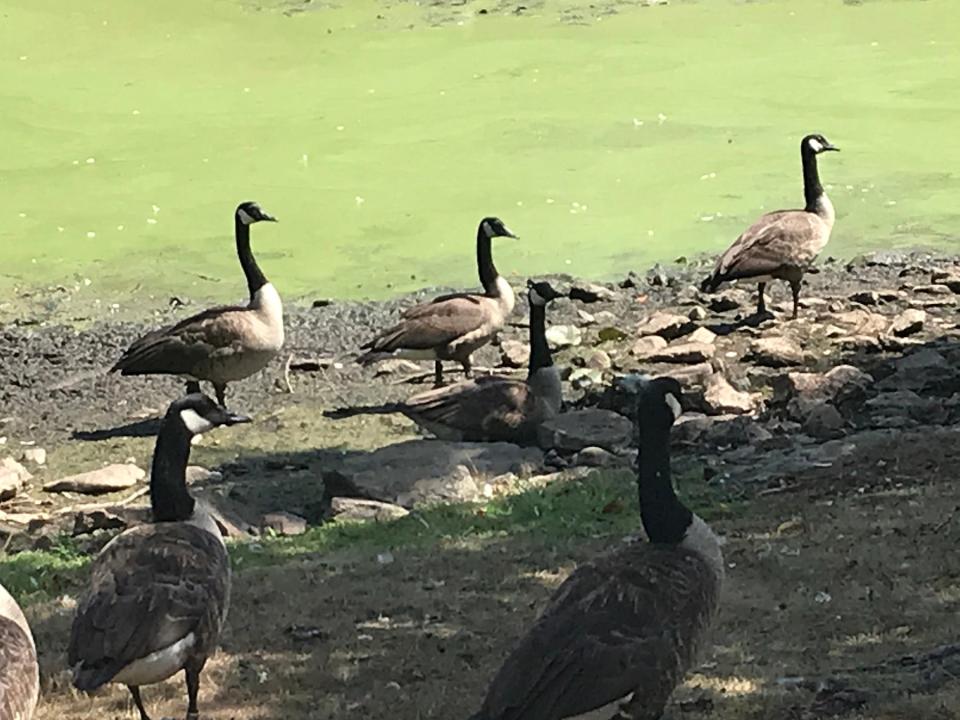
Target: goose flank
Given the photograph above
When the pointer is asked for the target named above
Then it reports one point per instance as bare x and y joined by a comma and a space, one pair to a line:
158, 593
782, 245
222, 344
451, 327
19, 672
621, 632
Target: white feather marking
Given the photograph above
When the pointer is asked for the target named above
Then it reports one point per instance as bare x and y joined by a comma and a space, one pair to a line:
245, 217
701, 539
158, 666
605, 712
815, 145
195, 422
536, 298
487, 229
674, 405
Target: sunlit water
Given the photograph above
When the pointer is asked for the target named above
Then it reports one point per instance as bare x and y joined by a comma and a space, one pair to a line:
131, 130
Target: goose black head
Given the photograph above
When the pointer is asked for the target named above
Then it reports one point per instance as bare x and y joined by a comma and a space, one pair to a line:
494, 227
658, 399
541, 292
199, 414
817, 143
250, 212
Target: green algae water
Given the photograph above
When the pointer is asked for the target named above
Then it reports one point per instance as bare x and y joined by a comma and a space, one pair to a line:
607, 136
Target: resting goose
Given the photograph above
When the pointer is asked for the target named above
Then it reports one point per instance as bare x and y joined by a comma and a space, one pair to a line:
19, 672
498, 408
620, 633
783, 244
158, 593
451, 327
221, 344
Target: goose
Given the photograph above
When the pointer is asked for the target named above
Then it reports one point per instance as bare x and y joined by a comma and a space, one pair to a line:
451, 327
19, 672
498, 408
783, 244
620, 633
222, 344
158, 593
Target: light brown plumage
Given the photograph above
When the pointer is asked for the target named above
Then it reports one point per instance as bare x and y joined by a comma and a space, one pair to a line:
19, 672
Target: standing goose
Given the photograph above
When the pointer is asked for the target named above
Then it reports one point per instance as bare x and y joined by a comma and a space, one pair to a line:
783, 244
221, 344
19, 672
451, 327
159, 592
498, 408
620, 633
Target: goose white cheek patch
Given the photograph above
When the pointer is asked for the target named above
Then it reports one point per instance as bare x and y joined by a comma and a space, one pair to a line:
195, 422
674, 405
815, 145
244, 217
536, 298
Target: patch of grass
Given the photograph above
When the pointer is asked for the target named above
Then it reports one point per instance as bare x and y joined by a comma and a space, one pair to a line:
603, 503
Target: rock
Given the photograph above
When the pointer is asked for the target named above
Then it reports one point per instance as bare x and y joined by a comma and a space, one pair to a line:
703, 335
585, 378
610, 333
591, 293
657, 276
687, 353
865, 297
606, 318
697, 313
908, 322
283, 523
562, 336
421, 472
596, 457
13, 476
824, 422
644, 347
579, 429
776, 352
97, 482
514, 353
861, 343
88, 521
598, 360
667, 325
585, 318
199, 474
933, 289
693, 374
802, 392
359, 509
950, 278
721, 398
920, 370
718, 431
726, 300
900, 403
35, 455
395, 366
862, 322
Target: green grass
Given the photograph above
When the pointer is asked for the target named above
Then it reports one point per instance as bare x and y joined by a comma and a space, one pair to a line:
133, 129
602, 504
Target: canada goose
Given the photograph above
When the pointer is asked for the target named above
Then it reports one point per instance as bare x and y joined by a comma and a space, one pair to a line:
221, 344
19, 672
489, 409
783, 244
451, 327
159, 592
620, 633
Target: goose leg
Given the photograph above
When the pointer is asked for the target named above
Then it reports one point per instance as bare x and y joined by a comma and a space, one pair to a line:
438, 373
467, 368
761, 305
138, 701
193, 689
795, 289
220, 389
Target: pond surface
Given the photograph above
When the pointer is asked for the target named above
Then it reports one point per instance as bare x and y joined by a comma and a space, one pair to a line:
608, 137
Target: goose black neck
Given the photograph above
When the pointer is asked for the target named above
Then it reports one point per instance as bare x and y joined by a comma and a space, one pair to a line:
488, 272
255, 277
812, 189
539, 350
665, 518
169, 498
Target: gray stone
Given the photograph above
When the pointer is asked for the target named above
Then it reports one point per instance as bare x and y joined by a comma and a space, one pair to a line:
579, 429
13, 476
97, 482
702, 335
900, 403
727, 300
776, 352
932, 289
918, 371
644, 347
685, 353
584, 378
865, 297
693, 374
395, 366
514, 353
802, 392
860, 322
606, 318
823, 421
88, 521
200, 474
283, 523
35, 455
596, 457
667, 325
598, 359
346, 508
697, 313
950, 278
721, 398
908, 322
585, 318
421, 472
562, 336
591, 293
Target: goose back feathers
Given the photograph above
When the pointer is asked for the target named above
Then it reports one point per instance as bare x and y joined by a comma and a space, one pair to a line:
19, 672
621, 632
782, 244
221, 344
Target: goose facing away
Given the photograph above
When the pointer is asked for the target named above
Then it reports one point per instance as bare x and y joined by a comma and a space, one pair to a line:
621, 632
451, 327
222, 344
497, 408
782, 245
159, 592
19, 672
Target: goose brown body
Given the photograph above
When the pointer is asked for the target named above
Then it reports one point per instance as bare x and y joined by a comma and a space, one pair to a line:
19, 671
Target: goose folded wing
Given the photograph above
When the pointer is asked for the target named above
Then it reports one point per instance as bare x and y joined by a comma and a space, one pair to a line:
434, 324
151, 587
19, 683
767, 246
468, 403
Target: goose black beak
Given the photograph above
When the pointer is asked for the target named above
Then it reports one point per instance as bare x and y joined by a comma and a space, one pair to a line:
268, 218
233, 418
834, 148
